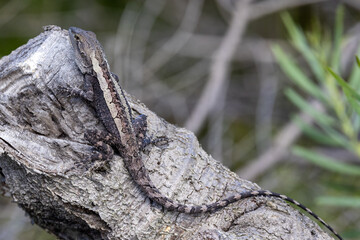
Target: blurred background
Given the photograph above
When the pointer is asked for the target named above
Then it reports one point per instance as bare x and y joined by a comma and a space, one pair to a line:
250, 78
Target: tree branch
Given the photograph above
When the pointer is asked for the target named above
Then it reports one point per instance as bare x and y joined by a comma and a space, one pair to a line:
41, 145
220, 66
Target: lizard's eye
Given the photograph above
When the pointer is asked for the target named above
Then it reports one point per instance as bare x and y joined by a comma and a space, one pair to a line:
76, 37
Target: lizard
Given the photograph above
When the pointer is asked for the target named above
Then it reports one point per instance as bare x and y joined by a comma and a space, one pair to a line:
102, 89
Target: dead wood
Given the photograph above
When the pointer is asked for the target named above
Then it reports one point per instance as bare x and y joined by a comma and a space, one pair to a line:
42, 145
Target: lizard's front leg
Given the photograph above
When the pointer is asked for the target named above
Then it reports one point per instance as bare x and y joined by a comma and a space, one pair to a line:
86, 93
102, 142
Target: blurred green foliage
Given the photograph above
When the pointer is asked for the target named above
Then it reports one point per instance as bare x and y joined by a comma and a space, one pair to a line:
337, 124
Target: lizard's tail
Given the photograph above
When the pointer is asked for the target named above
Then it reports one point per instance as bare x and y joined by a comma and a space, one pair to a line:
141, 177
170, 205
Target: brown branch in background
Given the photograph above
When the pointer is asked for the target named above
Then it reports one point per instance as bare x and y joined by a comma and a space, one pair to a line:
220, 66
215, 140
268, 90
284, 139
353, 3
201, 46
173, 45
132, 40
264, 8
177, 104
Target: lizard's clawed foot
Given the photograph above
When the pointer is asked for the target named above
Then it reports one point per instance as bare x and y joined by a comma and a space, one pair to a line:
76, 92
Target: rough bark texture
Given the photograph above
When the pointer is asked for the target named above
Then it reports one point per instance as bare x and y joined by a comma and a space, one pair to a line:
41, 140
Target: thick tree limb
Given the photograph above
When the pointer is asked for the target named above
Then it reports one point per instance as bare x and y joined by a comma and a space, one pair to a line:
42, 145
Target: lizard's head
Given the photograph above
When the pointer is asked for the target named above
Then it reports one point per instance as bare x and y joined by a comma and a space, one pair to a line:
85, 47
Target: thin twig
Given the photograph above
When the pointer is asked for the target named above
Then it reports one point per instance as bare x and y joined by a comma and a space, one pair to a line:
284, 139
353, 3
172, 46
201, 46
216, 126
265, 105
264, 8
220, 66
136, 39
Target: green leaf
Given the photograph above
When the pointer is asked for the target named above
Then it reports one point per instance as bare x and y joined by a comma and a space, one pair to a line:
344, 84
306, 107
339, 23
326, 122
353, 202
338, 137
300, 42
296, 75
315, 134
327, 162
358, 61
355, 119
354, 79
354, 104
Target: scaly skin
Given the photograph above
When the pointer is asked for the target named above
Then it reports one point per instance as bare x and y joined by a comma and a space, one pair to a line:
113, 109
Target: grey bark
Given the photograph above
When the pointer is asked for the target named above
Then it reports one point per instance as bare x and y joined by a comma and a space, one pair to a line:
42, 145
